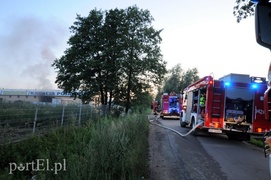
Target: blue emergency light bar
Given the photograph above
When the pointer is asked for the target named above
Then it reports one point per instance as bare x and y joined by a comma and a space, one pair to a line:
253, 85
227, 83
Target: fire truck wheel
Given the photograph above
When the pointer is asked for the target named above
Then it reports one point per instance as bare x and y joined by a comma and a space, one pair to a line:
183, 124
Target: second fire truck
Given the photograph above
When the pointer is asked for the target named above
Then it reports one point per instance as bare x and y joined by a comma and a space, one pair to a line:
171, 105
232, 105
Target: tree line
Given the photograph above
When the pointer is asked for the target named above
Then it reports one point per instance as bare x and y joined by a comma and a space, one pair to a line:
115, 55
176, 80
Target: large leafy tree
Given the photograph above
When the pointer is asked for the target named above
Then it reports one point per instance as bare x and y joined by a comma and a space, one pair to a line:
142, 64
114, 54
79, 71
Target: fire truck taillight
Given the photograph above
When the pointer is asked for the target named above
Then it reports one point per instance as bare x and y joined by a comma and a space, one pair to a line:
211, 82
259, 130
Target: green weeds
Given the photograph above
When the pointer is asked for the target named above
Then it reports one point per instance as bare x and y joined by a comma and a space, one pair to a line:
111, 148
257, 142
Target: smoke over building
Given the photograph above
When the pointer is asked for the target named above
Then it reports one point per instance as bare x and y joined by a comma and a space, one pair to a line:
28, 51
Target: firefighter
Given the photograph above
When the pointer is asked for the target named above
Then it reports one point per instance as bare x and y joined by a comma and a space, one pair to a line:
202, 100
202, 104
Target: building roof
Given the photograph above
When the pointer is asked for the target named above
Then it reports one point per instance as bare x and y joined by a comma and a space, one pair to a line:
33, 92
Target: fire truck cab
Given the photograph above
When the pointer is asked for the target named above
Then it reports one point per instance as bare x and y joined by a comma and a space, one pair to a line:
171, 105
232, 105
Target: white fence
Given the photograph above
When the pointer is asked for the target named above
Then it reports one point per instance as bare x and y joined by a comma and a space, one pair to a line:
21, 121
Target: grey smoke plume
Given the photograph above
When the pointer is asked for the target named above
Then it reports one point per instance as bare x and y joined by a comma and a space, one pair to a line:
27, 49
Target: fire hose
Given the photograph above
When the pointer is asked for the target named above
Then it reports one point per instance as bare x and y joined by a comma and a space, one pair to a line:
173, 130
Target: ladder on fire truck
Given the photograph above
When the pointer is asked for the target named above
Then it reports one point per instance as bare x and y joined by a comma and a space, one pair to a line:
217, 103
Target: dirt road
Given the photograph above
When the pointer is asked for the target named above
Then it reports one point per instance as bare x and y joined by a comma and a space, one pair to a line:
162, 162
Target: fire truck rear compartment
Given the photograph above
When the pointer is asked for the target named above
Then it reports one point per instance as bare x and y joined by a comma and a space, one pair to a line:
233, 106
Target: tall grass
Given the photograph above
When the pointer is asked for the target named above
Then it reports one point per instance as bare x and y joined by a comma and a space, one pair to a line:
18, 120
111, 148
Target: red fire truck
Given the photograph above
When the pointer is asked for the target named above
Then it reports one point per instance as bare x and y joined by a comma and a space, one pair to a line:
267, 97
267, 111
262, 24
171, 105
232, 105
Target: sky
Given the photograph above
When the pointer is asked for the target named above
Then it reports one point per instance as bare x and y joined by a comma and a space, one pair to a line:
196, 34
